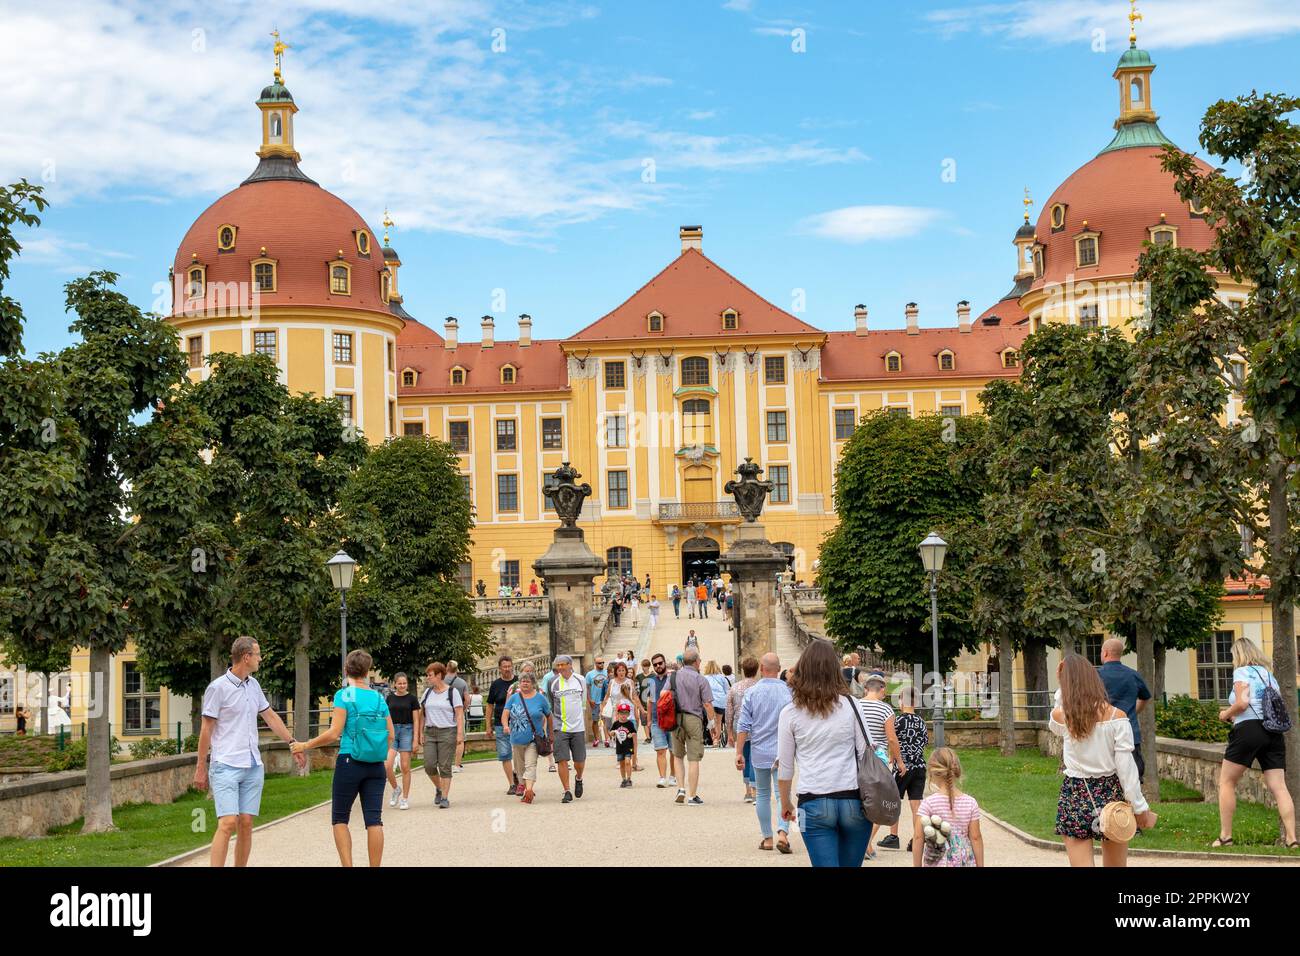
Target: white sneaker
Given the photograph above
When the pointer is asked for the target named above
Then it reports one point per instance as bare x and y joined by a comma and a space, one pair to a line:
672, 781
456, 768
392, 801
662, 782
405, 805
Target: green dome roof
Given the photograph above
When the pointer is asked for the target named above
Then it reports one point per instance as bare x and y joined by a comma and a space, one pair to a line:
1134, 57
277, 92
1137, 134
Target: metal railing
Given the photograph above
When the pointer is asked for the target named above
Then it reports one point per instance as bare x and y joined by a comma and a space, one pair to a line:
696, 510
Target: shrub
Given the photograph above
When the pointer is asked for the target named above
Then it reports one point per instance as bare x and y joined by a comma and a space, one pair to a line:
73, 756
152, 747
191, 744
1188, 719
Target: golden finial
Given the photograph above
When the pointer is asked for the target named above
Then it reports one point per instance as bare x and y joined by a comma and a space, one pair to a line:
388, 224
1133, 18
1028, 201
278, 49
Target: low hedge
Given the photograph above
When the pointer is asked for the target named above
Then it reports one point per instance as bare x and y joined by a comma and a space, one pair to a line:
1188, 719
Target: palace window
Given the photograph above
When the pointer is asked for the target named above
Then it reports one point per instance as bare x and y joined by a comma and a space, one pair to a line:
264, 342
458, 436
1214, 666
340, 280
1090, 647
893, 362
615, 431
616, 482
226, 238
506, 434
346, 402
950, 411
695, 406
507, 375
776, 427
1010, 359
391, 363
1086, 251
846, 419
1164, 237
774, 370
383, 285
899, 411
458, 376
195, 346
1058, 216
6, 695
619, 561
779, 475
507, 493
141, 704
197, 284
264, 275
342, 348
465, 576
1088, 317
655, 322
552, 434
615, 375
412, 428
408, 378
1038, 263
946, 361
695, 371
392, 417
467, 486
363, 242
548, 481
510, 574
730, 320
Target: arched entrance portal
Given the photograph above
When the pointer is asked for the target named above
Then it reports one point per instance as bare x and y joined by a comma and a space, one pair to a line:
699, 559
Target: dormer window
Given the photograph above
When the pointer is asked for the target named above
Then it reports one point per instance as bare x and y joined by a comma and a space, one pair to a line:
1010, 359
947, 362
1038, 263
363, 242
196, 283
1195, 208
507, 375
408, 377
384, 278
458, 375
730, 320
340, 278
226, 238
1086, 250
654, 322
893, 362
264, 277
1164, 236
1058, 216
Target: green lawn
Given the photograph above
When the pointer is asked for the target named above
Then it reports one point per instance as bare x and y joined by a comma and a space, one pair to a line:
1023, 790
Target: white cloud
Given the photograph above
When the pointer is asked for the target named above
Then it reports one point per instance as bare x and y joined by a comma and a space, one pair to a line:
741, 6
61, 254
670, 148
1165, 23
698, 115
864, 223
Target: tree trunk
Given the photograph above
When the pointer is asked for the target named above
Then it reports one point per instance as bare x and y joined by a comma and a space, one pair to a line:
1282, 595
1034, 656
1006, 700
196, 713
1158, 678
216, 660
1146, 665
302, 687
99, 785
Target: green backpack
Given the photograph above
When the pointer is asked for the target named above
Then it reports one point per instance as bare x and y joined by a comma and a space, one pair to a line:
367, 730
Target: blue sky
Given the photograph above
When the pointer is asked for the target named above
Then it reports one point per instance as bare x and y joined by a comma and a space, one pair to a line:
815, 162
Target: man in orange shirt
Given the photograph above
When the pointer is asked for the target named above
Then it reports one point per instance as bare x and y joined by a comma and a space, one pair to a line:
702, 595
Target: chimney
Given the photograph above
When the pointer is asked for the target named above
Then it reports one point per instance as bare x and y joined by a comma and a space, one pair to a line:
487, 341
692, 237
963, 316
913, 322
450, 337
525, 330
860, 319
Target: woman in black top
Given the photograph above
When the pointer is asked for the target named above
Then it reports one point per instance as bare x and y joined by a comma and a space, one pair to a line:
403, 707
21, 716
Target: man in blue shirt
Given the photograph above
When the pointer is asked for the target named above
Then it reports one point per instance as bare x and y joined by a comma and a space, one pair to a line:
760, 709
596, 685
1126, 690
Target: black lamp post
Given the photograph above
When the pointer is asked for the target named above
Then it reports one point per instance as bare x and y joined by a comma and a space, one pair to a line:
933, 550
342, 568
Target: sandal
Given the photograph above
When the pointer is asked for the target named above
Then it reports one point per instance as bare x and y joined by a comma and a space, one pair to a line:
761, 842
1221, 842
784, 846
1293, 844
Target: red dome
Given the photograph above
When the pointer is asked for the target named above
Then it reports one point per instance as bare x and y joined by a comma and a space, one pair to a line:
1120, 194
302, 227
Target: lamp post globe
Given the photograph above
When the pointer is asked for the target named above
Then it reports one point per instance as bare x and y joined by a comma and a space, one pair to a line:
933, 550
342, 568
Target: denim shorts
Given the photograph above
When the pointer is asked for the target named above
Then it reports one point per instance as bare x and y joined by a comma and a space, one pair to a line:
236, 790
661, 739
505, 751
403, 737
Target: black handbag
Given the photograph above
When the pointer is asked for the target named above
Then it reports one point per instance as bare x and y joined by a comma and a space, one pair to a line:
544, 745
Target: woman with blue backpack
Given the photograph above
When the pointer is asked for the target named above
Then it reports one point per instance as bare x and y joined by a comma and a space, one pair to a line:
1259, 721
363, 729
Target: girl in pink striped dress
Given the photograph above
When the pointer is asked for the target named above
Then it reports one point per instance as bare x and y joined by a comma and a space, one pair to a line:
963, 845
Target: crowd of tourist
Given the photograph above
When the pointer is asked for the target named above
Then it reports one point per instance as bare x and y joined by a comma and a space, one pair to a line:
821, 742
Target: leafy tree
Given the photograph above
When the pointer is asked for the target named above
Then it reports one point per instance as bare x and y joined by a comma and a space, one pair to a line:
1257, 240
899, 479
411, 522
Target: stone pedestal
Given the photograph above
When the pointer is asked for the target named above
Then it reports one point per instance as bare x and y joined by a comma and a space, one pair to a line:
569, 569
753, 565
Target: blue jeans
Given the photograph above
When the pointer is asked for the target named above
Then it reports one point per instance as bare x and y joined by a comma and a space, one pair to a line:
764, 784
504, 751
748, 775
835, 831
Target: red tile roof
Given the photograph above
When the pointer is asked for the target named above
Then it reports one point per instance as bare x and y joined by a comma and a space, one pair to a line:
1008, 310
849, 357
692, 293
539, 367
302, 227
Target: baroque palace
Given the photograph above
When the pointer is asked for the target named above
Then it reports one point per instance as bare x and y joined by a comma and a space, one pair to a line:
657, 401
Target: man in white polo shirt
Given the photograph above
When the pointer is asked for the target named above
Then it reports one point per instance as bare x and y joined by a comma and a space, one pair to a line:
231, 705
569, 703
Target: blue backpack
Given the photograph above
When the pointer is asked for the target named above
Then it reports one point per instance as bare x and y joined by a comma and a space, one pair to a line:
367, 729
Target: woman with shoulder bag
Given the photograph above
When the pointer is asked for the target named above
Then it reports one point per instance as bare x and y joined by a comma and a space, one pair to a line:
527, 720
1100, 795
1252, 740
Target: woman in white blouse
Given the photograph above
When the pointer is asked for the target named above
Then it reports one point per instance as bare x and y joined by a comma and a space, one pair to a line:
1099, 765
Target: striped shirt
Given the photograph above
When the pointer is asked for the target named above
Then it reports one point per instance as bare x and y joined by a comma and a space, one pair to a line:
875, 713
